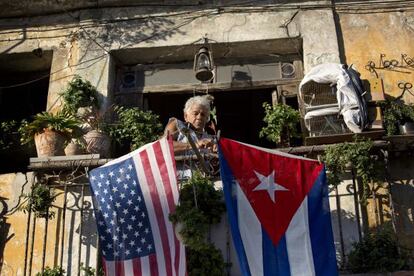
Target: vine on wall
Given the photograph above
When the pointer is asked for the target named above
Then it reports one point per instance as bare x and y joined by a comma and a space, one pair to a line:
358, 157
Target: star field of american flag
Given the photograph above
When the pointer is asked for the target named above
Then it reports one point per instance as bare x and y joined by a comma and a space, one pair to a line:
121, 214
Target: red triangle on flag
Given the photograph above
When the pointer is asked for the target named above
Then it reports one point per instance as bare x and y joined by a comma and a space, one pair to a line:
274, 184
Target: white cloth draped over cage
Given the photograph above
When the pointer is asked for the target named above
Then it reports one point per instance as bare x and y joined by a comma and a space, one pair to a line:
349, 94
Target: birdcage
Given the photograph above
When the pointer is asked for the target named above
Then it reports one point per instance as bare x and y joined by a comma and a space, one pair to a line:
320, 109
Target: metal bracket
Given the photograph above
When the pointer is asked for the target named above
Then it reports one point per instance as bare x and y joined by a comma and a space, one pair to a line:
200, 158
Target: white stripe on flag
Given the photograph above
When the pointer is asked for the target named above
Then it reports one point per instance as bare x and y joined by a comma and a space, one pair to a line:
128, 267
251, 233
170, 167
145, 266
298, 243
182, 269
164, 204
151, 214
110, 268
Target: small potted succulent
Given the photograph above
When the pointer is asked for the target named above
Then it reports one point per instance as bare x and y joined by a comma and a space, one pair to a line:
398, 117
49, 131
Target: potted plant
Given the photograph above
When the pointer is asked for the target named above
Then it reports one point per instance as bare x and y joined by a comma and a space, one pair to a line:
97, 130
80, 94
8, 131
281, 123
398, 117
80, 99
49, 131
135, 127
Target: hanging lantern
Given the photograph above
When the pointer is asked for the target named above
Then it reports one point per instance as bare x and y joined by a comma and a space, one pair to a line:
203, 65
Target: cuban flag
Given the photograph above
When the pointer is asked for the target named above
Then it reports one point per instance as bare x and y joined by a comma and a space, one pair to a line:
278, 210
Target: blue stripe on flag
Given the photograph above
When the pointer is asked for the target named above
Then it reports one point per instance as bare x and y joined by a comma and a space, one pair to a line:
231, 205
324, 256
275, 258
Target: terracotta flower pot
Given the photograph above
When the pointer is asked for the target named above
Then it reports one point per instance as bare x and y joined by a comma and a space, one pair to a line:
49, 143
97, 142
74, 148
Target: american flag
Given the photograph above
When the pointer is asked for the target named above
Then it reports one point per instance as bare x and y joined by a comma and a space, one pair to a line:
133, 196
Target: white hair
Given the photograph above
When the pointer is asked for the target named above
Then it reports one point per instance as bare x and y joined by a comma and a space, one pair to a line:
204, 101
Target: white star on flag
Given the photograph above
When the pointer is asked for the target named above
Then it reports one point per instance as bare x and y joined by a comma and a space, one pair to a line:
267, 183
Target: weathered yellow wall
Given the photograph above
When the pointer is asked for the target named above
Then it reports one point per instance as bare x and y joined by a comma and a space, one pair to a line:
14, 229
366, 36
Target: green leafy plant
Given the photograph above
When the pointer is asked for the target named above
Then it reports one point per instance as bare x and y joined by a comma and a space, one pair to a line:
39, 200
395, 113
281, 123
79, 93
135, 126
7, 137
88, 271
56, 271
61, 122
205, 260
201, 205
377, 252
358, 155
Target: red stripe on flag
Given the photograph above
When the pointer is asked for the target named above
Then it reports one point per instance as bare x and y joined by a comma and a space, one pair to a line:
136, 266
158, 210
104, 266
171, 147
153, 265
170, 198
119, 268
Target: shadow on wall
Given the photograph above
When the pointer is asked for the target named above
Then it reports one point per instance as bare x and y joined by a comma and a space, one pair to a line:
130, 31
80, 228
349, 230
4, 234
403, 194
71, 235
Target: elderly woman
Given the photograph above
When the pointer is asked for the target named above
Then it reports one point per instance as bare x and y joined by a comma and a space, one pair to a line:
196, 115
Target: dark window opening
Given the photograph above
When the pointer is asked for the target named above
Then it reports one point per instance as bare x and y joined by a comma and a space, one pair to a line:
22, 102
17, 103
239, 113
293, 102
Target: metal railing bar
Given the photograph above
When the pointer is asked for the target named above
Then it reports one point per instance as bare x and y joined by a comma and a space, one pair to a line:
356, 204
58, 183
26, 246
80, 229
32, 245
388, 180
62, 242
45, 240
341, 235
374, 198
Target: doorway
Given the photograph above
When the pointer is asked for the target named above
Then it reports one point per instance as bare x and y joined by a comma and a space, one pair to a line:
239, 113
